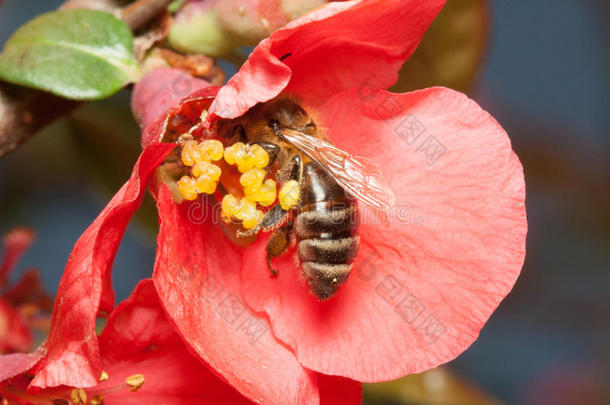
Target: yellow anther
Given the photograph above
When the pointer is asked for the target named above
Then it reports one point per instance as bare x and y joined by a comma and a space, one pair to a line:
205, 185
248, 213
97, 400
235, 152
135, 382
78, 396
252, 180
194, 152
104, 376
207, 169
190, 155
266, 194
207, 177
212, 149
187, 186
246, 157
230, 204
289, 194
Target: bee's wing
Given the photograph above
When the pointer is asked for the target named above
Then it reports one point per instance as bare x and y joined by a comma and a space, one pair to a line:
358, 175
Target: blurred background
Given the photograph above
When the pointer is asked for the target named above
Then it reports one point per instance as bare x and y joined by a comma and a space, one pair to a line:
540, 68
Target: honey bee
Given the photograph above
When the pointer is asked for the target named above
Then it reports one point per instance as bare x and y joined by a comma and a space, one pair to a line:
331, 182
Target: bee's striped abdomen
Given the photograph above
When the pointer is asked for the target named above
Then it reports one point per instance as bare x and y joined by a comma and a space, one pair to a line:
326, 228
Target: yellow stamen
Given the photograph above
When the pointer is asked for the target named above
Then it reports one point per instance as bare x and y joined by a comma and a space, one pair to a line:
78, 396
207, 177
187, 186
229, 207
252, 180
135, 382
289, 194
246, 157
97, 400
211, 148
265, 195
248, 214
190, 155
206, 169
194, 152
104, 376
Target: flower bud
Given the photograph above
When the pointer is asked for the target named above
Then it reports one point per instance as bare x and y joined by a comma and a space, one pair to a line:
215, 27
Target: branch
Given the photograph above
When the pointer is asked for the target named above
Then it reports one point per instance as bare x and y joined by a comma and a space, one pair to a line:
23, 111
138, 13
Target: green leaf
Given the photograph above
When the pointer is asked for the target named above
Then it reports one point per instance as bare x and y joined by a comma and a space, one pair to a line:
77, 54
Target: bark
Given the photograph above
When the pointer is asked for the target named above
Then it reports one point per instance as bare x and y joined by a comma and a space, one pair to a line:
23, 112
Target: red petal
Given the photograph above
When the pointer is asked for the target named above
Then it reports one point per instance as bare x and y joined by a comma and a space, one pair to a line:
197, 277
138, 339
15, 242
341, 46
14, 364
15, 335
339, 391
421, 289
160, 90
86, 286
175, 109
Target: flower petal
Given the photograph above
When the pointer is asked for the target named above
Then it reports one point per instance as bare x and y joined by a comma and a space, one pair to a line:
14, 364
160, 90
86, 287
341, 46
421, 289
197, 277
139, 339
15, 243
175, 107
339, 391
15, 335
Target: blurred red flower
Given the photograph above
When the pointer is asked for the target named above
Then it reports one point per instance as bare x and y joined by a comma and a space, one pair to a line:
21, 302
143, 361
421, 289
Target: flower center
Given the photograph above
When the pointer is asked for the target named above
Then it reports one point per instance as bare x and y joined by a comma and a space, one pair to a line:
208, 163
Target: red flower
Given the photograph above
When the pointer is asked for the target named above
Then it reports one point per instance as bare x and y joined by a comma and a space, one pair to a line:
143, 361
23, 300
421, 289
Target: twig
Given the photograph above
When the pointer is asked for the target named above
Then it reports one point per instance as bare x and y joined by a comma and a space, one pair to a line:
25, 111
140, 12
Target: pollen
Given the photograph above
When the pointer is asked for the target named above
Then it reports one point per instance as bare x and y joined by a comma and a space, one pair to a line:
249, 215
187, 186
135, 382
97, 400
194, 152
289, 194
252, 180
104, 376
244, 210
246, 157
265, 195
230, 204
78, 396
205, 175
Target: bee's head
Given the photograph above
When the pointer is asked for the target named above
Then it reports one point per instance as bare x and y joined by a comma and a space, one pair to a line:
285, 113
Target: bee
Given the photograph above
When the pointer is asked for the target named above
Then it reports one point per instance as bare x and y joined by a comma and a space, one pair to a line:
331, 184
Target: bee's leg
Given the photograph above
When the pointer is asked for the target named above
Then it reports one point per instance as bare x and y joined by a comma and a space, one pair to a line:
290, 170
273, 219
277, 244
